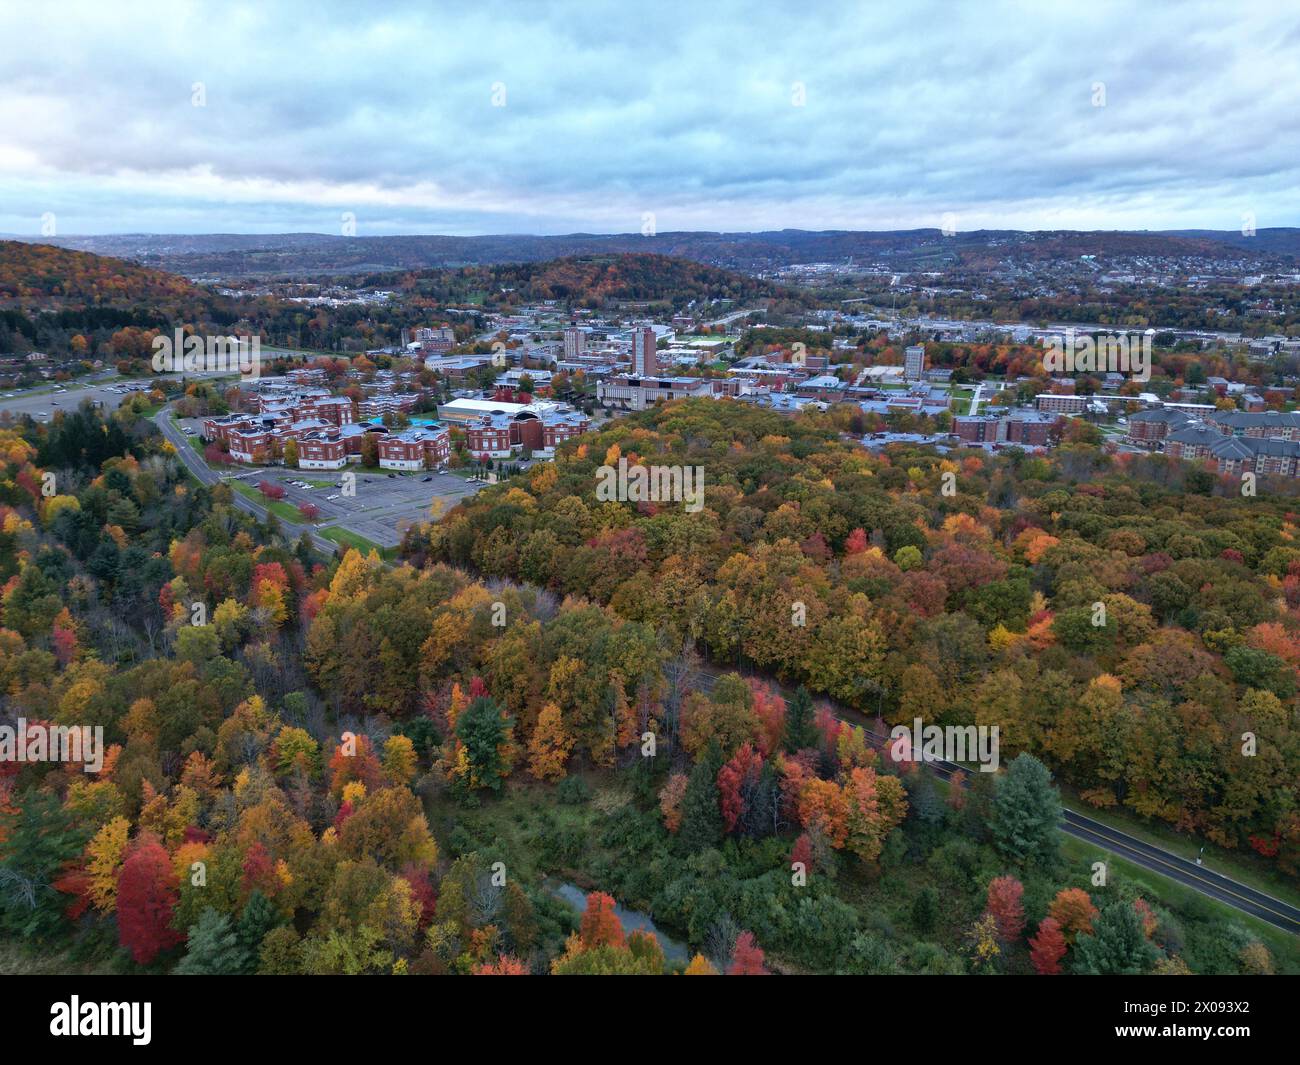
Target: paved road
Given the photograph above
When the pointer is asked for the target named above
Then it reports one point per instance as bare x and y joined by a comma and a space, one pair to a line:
1240, 896
194, 462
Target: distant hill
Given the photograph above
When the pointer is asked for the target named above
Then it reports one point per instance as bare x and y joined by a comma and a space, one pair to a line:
1270, 241
308, 254
54, 278
591, 281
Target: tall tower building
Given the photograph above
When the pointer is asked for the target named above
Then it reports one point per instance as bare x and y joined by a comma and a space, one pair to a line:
914, 363
645, 362
575, 343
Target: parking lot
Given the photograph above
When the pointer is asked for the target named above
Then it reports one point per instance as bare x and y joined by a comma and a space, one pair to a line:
382, 509
44, 402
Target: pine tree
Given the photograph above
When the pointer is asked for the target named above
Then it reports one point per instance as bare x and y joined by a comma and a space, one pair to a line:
258, 918
42, 839
1026, 813
483, 728
1118, 945
925, 910
214, 948
701, 814
800, 732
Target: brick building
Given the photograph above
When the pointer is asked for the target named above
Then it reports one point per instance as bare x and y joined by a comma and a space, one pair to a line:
419, 448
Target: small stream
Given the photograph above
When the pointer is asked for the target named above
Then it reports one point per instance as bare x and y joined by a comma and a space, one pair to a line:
631, 920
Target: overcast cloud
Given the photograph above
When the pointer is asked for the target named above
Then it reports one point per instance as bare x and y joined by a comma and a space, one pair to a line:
687, 111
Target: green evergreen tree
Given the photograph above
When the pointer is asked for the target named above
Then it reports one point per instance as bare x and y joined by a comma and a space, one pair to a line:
482, 729
1117, 947
1027, 813
800, 732
213, 949
258, 918
977, 813
701, 815
925, 910
39, 841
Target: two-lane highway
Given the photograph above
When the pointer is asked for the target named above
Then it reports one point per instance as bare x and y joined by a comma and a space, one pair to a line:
1217, 886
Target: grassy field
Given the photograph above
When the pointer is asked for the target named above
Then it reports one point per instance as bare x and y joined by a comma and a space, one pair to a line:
19, 959
507, 829
347, 538
282, 510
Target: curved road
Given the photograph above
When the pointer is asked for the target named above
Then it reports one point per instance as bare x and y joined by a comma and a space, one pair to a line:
1217, 886
195, 464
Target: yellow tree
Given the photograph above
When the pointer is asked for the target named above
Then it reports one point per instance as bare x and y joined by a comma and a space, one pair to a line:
399, 759
700, 967
105, 853
549, 747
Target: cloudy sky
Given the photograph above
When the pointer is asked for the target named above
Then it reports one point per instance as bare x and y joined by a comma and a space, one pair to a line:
554, 117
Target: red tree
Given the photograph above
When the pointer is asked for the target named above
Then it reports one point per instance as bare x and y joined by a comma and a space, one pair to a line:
600, 924
746, 959
803, 852
271, 490
1004, 903
856, 543
146, 896
770, 710
734, 778
308, 511
259, 871
422, 893
1047, 948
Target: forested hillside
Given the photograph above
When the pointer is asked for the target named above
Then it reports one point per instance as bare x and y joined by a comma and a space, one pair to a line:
585, 281
979, 606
